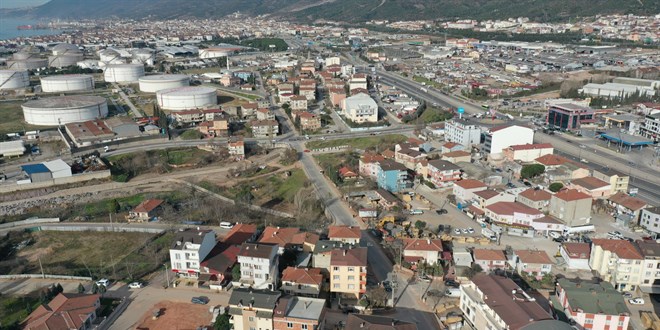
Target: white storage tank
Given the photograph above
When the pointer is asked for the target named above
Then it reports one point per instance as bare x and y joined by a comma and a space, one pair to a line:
60, 61
27, 64
183, 98
123, 72
64, 48
109, 56
67, 83
12, 79
52, 111
152, 84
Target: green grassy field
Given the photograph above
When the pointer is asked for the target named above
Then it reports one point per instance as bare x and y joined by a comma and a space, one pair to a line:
265, 189
381, 141
14, 309
12, 119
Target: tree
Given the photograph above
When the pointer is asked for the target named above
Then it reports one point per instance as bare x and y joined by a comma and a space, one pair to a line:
95, 288
236, 272
556, 186
58, 289
102, 289
222, 322
531, 171
420, 225
81, 288
451, 198
472, 271
377, 297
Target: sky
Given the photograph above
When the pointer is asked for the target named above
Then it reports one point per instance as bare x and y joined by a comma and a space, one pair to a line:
21, 3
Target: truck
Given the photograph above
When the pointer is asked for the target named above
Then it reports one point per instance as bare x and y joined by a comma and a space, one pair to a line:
423, 89
488, 233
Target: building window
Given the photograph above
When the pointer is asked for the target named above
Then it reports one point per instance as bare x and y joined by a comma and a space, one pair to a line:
620, 323
351, 269
335, 268
351, 278
351, 286
336, 286
588, 321
304, 327
251, 318
335, 277
177, 256
289, 325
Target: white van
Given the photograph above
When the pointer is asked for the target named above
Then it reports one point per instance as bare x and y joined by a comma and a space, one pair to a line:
416, 212
226, 225
453, 292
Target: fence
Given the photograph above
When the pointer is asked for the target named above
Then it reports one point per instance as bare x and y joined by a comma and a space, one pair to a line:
28, 222
107, 323
113, 228
57, 277
57, 181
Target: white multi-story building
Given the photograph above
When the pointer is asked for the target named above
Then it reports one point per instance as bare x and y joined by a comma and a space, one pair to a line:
500, 138
651, 127
461, 132
190, 248
259, 264
360, 108
651, 268
617, 261
650, 220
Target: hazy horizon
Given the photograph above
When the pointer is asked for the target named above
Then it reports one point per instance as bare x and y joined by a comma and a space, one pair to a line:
21, 3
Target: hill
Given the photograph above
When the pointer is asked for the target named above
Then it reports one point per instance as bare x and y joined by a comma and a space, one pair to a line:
344, 10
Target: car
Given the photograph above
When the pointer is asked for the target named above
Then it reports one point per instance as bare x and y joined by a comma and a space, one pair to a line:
457, 231
201, 300
470, 230
226, 225
307, 150
636, 301
583, 146
135, 285
464, 230
104, 281
425, 278
510, 185
586, 239
441, 211
452, 283
627, 295
559, 239
554, 234
527, 183
615, 234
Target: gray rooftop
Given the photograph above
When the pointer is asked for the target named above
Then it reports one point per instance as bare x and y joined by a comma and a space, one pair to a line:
594, 298
261, 299
60, 102
300, 307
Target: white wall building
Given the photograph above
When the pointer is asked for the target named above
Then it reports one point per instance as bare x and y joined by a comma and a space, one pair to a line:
360, 108
650, 221
501, 138
190, 248
259, 263
461, 132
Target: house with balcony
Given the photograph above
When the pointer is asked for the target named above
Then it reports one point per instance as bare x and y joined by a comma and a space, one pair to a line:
369, 165
649, 219
650, 282
252, 309
392, 176
591, 186
514, 218
323, 251
299, 313
496, 302
535, 198
345, 234
65, 311
302, 281
298, 103
572, 207
592, 305
443, 173
189, 248
617, 180
464, 189
576, 255
236, 148
417, 250
265, 114
309, 121
259, 265
533, 262
618, 262
408, 155
348, 272
489, 259
264, 128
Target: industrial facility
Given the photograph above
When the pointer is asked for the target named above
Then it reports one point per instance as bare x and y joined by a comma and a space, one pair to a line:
12, 79
27, 64
123, 73
152, 84
67, 83
61, 110
184, 98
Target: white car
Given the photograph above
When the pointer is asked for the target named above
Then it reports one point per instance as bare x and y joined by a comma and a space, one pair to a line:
226, 225
470, 230
104, 281
457, 231
636, 301
554, 234
464, 230
135, 285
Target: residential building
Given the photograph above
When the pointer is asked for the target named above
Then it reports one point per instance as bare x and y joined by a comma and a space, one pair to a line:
487, 197
189, 248
457, 156
512, 214
566, 172
592, 305
416, 250
252, 309
462, 132
298, 103
651, 127
309, 121
373, 322
259, 262
392, 176
618, 262
448, 147
443, 173
264, 128
464, 189
360, 108
302, 281
345, 234
617, 180
289, 238
65, 311
569, 116
408, 156
572, 207
217, 266
348, 272
489, 259
218, 126
533, 262
359, 80
323, 251
145, 210
346, 174
651, 268
496, 302
547, 224
195, 116
241, 233
309, 92
236, 148
369, 165
650, 220
576, 255
591, 186
385, 199
627, 205
337, 96
535, 198
265, 114
527, 153
299, 313
552, 161
500, 138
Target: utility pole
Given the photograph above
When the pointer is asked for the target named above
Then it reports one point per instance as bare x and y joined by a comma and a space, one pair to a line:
111, 225
167, 276
42, 269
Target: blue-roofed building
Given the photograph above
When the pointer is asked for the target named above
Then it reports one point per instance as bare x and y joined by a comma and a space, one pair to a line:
392, 176
625, 141
37, 172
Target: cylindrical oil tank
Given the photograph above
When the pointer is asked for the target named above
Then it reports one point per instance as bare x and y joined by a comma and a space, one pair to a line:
51, 111
12, 79
64, 48
60, 61
152, 84
183, 98
27, 64
123, 72
108, 55
67, 83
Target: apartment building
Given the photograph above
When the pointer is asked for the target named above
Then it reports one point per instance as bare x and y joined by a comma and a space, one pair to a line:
309, 121
264, 128
302, 281
369, 165
345, 234
576, 255
299, 313
618, 262
348, 272
189, 249
500, 138
236, 148
596, 188
651, 268
252, 309
649, 219
489, 259
298, 103
651, 127
592, 305
464, 189
617, 180
463, 133
572, 207
535, 198
496, 302
392, 176
323, 251
443, 173
259, 265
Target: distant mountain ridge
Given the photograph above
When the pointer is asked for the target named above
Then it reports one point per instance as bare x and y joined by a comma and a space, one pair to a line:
351, 11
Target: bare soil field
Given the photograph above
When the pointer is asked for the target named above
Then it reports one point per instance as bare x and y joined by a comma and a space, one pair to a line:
175, 315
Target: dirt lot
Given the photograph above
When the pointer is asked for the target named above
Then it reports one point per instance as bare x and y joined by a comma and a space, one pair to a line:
174, 315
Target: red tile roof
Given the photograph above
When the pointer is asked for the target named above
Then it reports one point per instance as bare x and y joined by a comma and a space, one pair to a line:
536, 195
311, 276
346, 172
353, 257
280, 236
148, 205
622, 248
629, 202
344, 232
577, 250
551, 160
372, 158
65, 311
571, 195
420, 244
240, 233
449, 145
470, 184
533, 257
487, 254
590, 183
487, 194
508, 208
